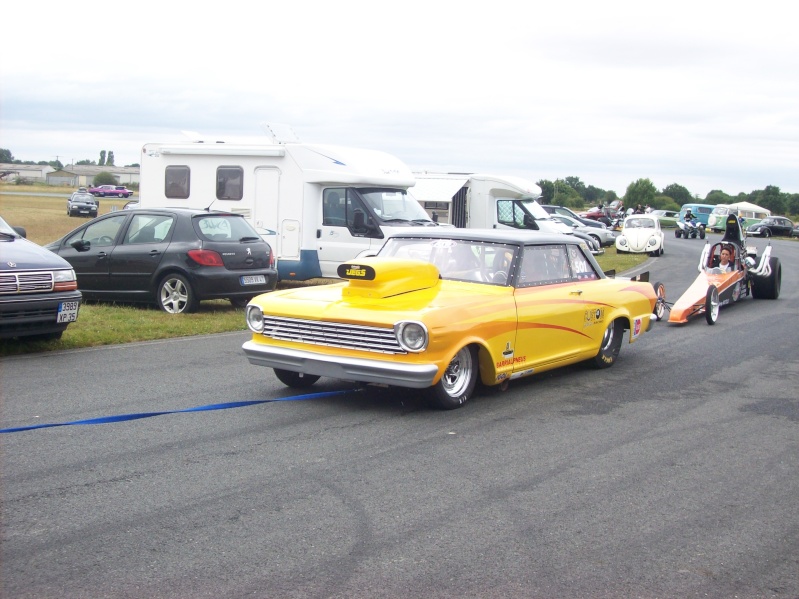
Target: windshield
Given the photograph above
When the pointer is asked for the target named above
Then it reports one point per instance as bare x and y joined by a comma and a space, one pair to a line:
457, 259
393, 204
534, 208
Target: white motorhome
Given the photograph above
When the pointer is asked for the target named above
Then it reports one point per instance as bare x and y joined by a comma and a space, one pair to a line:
324, 205
469, 200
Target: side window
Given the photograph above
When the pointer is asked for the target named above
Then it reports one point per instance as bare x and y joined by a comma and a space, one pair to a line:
229, 183
581, 267
505, 213
148, 228
333, 208
177, 182
545, 265
100, 234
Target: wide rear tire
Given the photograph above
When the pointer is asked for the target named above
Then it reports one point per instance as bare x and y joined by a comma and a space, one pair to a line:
610, 346
768, 287
458, 381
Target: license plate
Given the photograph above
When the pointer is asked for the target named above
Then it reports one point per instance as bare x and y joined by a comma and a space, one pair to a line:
253, 280
67, 312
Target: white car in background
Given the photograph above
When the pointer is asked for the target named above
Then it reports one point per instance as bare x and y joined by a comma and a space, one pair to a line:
641, 233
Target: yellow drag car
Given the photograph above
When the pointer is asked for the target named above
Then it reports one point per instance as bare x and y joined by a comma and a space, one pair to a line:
437, 309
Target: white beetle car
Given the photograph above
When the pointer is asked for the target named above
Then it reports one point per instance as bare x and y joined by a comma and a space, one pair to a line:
641, 233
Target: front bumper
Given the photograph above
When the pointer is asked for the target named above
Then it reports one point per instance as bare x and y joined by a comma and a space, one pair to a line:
415, 376
33, 314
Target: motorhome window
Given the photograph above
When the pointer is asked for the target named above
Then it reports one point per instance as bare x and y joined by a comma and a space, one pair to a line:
510, 214
177, 182
229, 183
333, 208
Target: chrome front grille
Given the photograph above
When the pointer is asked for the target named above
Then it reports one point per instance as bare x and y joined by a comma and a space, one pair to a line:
26, 282
332, 334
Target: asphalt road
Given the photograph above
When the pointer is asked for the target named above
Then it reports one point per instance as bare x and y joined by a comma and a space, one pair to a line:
673, 474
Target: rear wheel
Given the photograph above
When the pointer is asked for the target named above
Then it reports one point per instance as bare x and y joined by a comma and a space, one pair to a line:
610, 346
678, 233
712, 305
296, 380
660, 305
458, 381
768, 287
175, 295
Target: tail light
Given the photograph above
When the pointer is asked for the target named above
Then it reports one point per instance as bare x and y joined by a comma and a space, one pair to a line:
271, 259
206, 257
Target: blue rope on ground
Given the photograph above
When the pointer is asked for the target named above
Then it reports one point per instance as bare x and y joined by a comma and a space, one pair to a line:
218, 406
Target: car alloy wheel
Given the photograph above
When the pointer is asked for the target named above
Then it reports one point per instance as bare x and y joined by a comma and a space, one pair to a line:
458, 381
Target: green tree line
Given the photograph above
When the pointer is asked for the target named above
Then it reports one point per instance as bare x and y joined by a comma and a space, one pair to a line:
572, 192
106, 159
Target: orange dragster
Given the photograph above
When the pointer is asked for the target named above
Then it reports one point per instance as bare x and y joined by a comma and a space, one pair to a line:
439, 309
728, 271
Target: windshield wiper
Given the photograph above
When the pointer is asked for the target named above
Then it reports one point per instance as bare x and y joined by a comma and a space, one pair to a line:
5, 235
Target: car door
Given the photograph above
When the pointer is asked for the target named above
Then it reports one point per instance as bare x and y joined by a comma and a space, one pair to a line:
91, 260
550, 308
140, 251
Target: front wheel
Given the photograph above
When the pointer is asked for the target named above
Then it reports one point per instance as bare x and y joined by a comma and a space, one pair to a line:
458, 381
678, 233
175, 295
701, 233
712, 305
296, 380
766, 233
610, 346
660, 304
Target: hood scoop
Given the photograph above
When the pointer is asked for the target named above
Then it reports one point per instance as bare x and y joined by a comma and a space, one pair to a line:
386, 277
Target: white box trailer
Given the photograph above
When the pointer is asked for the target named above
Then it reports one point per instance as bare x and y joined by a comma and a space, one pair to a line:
318, 205
470, 200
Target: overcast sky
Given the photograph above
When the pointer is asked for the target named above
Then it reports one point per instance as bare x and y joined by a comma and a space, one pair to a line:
704, 94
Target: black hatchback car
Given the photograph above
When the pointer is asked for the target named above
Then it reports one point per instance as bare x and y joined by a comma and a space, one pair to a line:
172, 257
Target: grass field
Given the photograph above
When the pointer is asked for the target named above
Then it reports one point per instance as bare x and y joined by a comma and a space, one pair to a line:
45, 219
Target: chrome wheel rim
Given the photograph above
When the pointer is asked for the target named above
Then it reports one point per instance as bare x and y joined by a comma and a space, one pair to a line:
458, 374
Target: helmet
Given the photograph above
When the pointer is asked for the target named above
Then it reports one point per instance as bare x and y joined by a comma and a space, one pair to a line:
688, 211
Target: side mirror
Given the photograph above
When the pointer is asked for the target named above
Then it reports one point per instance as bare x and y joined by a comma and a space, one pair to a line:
21, 231
82, 245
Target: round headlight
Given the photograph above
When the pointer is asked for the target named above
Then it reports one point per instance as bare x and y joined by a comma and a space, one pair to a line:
652, 241
622, 241
255, 319
412, 336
